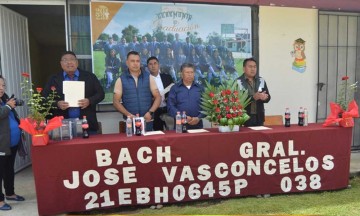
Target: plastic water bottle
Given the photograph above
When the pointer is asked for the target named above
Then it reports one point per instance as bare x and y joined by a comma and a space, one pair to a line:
138, 125
129, 128
306, 115
184, 122
178, 127
85, 126
287, 117
301, 117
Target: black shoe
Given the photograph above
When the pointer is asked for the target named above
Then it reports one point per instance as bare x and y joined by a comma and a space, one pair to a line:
5, 207
16, 198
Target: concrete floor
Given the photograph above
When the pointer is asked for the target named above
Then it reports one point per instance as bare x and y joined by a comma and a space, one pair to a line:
25, 186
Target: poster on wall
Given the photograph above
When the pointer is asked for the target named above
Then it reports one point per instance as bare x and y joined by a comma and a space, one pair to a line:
214, 38
299, 63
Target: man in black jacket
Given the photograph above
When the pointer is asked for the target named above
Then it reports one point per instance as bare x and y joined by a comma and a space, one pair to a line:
257, 90
94, 93
163, 81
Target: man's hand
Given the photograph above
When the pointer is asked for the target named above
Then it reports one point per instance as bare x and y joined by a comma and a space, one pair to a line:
83, 103
261, 96
63, 105
148, 117
193, 120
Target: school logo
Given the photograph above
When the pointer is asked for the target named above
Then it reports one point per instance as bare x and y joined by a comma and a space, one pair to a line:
102, 13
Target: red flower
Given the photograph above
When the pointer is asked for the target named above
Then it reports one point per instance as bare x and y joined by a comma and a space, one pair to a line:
240, 107
234, 108
215, 102
227, 109
236, 93
228, 116
223, 93
225, 100
219, 117
211, 94
228, 92
38, 89
345, 78
53, 88
24, 74
217, 110
234, 115
240, 113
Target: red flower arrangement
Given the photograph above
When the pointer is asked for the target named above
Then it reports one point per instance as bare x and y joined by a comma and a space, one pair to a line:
345, 108
39, 109
225, 105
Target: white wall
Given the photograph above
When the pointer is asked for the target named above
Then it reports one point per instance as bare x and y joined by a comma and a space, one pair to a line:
278, 29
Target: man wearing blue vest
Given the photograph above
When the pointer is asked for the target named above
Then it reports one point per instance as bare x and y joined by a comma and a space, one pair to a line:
136, 92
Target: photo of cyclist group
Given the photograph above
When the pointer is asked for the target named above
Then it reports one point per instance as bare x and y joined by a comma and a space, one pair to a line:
216, 53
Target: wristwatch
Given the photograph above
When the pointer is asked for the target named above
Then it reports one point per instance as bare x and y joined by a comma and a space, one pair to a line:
152, 114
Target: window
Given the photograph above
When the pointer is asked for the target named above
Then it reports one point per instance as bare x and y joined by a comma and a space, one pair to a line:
79, 33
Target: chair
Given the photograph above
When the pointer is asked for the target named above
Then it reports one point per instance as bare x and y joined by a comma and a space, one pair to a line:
122, 127
273, 120
170, 122
99, 131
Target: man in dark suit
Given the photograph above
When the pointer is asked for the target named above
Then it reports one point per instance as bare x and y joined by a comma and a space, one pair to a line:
258, 92
94, 93
163, 81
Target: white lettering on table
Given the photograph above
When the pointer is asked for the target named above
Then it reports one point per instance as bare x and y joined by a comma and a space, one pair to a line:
328, 163
124, 196
103, 157
129, 175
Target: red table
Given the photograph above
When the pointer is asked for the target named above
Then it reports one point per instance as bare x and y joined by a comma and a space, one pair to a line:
112, 170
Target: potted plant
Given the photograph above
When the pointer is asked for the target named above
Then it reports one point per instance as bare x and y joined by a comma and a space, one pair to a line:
39, 108
225, 105
345, 108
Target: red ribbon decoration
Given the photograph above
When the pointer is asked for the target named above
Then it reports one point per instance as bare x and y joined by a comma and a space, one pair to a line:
346, 119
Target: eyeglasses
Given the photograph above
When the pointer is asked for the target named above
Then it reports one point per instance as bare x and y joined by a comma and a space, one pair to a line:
68, 60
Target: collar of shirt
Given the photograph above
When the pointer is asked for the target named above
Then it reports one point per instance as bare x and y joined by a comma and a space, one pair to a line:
180, 83
76, 75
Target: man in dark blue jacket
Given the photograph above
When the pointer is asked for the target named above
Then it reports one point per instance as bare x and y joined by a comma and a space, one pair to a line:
185, 95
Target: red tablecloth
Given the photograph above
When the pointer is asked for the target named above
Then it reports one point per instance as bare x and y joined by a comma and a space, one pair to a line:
113, 170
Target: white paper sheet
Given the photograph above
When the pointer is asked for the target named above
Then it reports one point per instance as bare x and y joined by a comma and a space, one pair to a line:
197, 131
260, 128
73, 91
153, 133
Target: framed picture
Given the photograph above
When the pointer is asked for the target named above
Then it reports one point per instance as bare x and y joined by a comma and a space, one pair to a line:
215, 38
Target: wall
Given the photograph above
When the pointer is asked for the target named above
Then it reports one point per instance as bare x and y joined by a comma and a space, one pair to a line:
279, 27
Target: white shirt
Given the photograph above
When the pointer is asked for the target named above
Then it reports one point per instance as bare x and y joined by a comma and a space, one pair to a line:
161, 89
